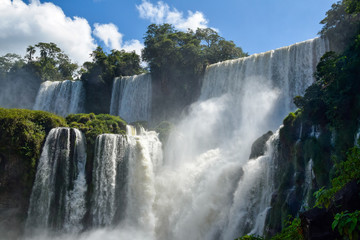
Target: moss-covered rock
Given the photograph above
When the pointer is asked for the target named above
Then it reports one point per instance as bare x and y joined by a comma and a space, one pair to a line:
93, 125
22, 134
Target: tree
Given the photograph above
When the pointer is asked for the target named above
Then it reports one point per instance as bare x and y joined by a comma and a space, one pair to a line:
52, 64
9, 62
177, 61
352, 6
30, 53
99, 74
216, 48
341, 23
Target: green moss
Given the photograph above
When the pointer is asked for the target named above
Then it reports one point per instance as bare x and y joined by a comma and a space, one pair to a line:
291, 231
23, 133
250, 237
93, 125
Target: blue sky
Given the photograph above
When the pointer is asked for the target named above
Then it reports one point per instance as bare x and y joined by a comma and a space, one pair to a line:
77, 26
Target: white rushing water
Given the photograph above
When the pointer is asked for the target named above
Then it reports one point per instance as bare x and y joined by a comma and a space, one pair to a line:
123, 176
131, 98
208, 186
60, 97
205, 186
58, 198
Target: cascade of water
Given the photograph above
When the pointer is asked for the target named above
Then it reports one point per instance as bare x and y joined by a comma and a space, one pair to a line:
58, 197
123, 177
206, 171
206, 187
109, 178
253, 195
60, 97
308, 184
131, 98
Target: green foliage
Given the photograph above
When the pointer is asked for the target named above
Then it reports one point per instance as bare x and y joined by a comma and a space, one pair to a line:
346, 171
287, 132
352, 6
341, 22
323, 197
250, 237
10, 62
348, 224
292, 231
52, 64
177, 61
99, 74
22, 77
23, 133
93, 125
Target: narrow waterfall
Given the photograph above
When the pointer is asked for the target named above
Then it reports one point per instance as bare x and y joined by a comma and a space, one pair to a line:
131, 98
123, 177
60, 97
109, 179
57, 200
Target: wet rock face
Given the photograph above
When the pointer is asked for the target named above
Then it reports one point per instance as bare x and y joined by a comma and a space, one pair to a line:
316, 223
258, 148
13, 196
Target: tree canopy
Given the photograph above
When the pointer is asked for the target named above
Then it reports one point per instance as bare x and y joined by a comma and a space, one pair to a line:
341, 23
51, 64
98, 76
177, 61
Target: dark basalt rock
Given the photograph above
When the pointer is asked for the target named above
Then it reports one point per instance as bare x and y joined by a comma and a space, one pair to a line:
258, 148
347, 198
13, 196
316, 223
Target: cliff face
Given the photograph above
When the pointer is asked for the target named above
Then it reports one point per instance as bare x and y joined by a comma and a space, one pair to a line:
14, 195
22, 133
307, 153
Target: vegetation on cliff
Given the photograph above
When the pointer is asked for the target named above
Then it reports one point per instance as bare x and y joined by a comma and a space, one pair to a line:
98, 76
23, 133
177, 61
93, 125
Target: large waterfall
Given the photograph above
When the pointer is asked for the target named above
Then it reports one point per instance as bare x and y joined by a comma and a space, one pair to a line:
205, 186
131, 98
58, 197
60, 97
207, 173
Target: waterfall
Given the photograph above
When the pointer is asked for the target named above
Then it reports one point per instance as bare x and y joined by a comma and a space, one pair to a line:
206, 172
204, 187
109, 178
57, 200
131, 98
123, 177
60, 97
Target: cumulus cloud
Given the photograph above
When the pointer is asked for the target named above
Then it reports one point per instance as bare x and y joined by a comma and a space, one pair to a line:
161, 13
109, 34
24, 24
113, 39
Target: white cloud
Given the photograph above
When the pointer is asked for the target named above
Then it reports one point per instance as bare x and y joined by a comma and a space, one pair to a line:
109, 34
113, 39
133, 45
161, 13
24, 24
